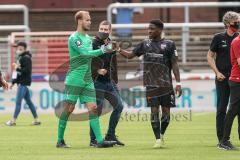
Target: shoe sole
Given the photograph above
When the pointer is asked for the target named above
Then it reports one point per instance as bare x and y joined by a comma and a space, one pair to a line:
221, 148
93, 146
119, 145
157, 147
107, 146
104, 146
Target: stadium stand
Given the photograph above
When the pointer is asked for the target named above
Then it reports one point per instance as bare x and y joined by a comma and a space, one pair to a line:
49, 49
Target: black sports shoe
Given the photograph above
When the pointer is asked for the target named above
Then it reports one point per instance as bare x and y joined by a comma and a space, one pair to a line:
105, 144
227, 145
93, 143
231, 145
62, 144
114, 138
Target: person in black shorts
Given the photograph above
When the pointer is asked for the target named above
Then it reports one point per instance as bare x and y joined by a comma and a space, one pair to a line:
159, 59
221, 65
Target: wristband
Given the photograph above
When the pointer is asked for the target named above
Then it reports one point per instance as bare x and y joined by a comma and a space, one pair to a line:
178, 84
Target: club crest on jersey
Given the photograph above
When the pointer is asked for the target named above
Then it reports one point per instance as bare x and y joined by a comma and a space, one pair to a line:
78, 43
148, 43
163, 46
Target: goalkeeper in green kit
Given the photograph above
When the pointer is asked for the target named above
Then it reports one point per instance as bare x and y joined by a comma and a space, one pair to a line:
78, 82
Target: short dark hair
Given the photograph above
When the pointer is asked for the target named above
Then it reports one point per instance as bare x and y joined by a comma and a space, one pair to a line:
21, 43
105, 23
157, 22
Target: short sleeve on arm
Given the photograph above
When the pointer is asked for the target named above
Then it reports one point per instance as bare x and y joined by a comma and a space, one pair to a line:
214, 44
139, 49
173, 53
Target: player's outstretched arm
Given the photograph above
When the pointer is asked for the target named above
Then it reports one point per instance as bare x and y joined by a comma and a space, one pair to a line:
137, 51
126, 54
91, 53
94, 53
77, 45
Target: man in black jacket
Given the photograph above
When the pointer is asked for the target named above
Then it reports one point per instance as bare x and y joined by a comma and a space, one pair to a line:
104, 73
23, 70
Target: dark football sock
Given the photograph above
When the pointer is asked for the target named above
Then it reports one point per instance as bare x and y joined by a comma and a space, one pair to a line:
155, 125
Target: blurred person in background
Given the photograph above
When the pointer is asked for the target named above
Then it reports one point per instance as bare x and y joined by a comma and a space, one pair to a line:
23, 79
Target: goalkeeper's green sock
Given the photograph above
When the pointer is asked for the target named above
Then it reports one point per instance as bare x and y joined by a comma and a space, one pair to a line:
94, 123
62, 125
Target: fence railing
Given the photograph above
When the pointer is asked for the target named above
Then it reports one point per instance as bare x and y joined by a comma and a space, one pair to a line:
185, 26
24, 9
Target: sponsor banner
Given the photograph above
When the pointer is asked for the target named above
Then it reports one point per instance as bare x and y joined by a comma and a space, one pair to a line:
198, 95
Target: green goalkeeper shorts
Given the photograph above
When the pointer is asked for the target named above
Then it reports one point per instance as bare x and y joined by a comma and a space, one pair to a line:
86, 93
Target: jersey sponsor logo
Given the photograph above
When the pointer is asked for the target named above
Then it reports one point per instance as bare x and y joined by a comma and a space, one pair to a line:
78, 43
155, 55
224, 43
163, 46
148, 44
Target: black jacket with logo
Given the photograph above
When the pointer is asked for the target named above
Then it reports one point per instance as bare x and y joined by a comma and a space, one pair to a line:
106, 61
24, 72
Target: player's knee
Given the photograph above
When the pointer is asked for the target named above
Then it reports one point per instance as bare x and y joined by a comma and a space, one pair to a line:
99, 111
93, 110
154, 117
166, 118
70, 109
166, 110
119, 108
18, 103
154, 110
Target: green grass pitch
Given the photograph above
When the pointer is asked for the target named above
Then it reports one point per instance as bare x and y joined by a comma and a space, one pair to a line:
194, 139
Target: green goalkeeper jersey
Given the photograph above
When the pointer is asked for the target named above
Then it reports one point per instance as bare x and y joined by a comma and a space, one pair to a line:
80, 56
